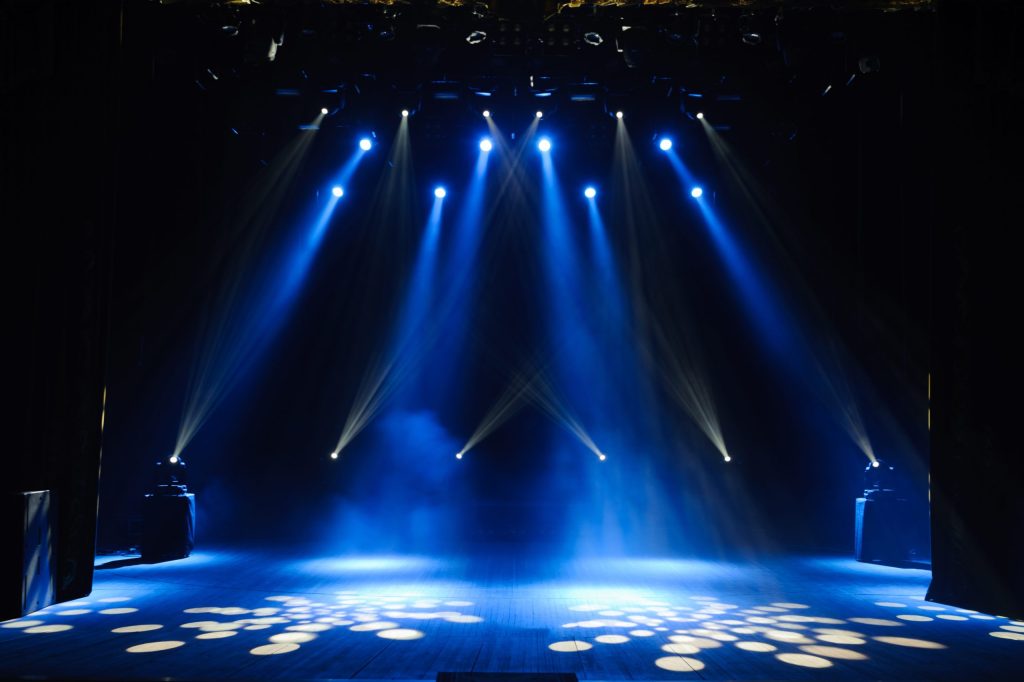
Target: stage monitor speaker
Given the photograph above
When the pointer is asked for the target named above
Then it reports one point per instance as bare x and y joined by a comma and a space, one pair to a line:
881, 531
28, 571
168, 526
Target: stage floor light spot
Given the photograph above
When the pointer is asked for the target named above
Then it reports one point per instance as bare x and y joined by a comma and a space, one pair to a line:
256, 627
47, 629
219, 627
458, 603
403, 634
893, 604
114, 600
118, 611
296, 637
804, 660
680, 648
374, 625
880, 622
1003, 634
914, 618
309, 627
833, 652
789, 605
642, 633
679, 664
910, 642
982, 616
464, 619
152, 647
950, 616
842, 639
73, 612
763, 647
570, 646
1012, 628
274, 649
217, 635
146, 627
14, 624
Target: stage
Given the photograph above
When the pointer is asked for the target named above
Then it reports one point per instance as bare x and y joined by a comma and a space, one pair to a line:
296, 615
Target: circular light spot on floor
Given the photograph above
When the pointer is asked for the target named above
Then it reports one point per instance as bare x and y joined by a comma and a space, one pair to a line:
403, 634
833, 652
762, 620
790, 605
217, 635
310, 627
151, 647
787, 636
570, 645
642, 633
375, 625
755, 646
880, 622
611, 612
679, 664
1012, 628
836, 631
47, 629
464, 619
458, 603
73, 612
914, 618
202, 609
118, 611
296, 637
982, 616
932, 608
274, 649
744, 631
148, 627
114, 600
804, 660
841, 639
910, 642
611, 639
22, 623
219, 627
199, 623
1001, 634
257, 626
891, 604
233, 611
950, 616
680, 649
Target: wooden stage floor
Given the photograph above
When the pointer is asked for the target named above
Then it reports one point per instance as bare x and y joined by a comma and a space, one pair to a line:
252, 615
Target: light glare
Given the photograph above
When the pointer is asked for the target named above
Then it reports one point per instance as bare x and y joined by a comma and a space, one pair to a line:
486, 145
440, 192
590, 192
337, 191
696, 192
665, 144
487, 113
700, 115
334, 455
540, 114
618, 114
174, 459
405, 113
323, 110
544, 145
458, 455
365, 144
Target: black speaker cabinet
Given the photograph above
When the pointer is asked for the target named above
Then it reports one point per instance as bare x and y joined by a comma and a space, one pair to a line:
168, 526
27, 576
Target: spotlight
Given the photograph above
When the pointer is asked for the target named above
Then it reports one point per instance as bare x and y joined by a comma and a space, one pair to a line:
458, 455
728, 458
405, 113
337, 191
544, 145
476, 37
875, 464
487, 113
540, 114
173, 459
323, 110
592, 38
590, 192
665, 144
618, 114
696, 192
601, 456
700, 115
486, 145
365, 144
334, 455
440, 193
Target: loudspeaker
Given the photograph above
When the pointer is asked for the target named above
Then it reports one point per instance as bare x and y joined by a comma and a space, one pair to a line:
27, 582
168, 526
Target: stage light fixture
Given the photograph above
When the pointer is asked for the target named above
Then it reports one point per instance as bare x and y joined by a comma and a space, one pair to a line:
440, 192
875, 464
700, 115
476, 37
365, 144
173, 459
486, 145
601, 456
544, 145
696, 192
592, 38
618, 114
323, 110
334, 455
487, 113
727, 458
590, 192
405, 113
539, 114
337, 191
458, 455
665, 144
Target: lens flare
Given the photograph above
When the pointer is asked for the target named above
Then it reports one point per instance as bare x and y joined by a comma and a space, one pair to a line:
365, 144
174, 459
540, 114
544, 145
334, 455
337, 191
440, 192
487, 113
323, 110
590, 192
700, 115
486, 145
405, 113
618, 114
696, 192
665, 144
